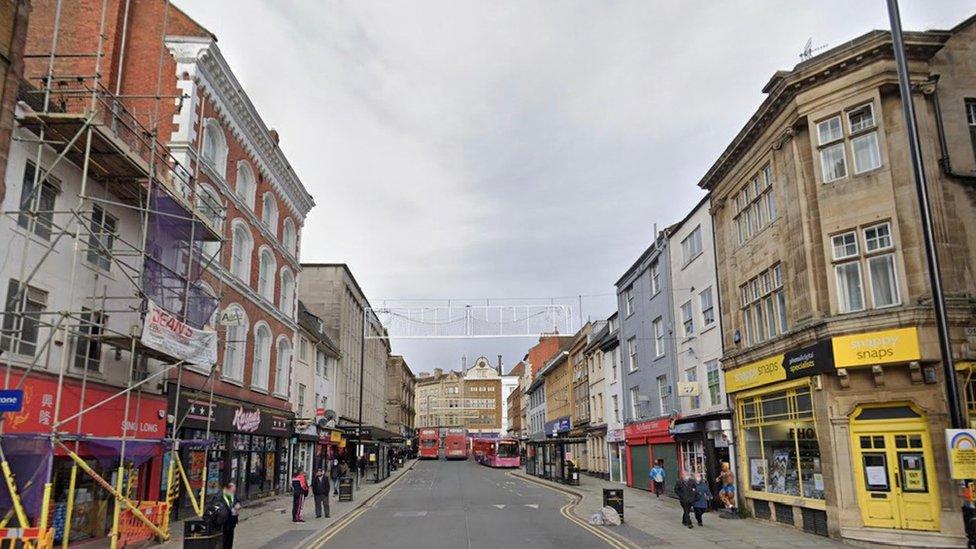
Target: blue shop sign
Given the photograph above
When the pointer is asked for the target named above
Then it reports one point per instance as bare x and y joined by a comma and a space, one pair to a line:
560, 425
11, 400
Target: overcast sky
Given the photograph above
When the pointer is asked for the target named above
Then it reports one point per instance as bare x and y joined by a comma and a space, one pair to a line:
524, 149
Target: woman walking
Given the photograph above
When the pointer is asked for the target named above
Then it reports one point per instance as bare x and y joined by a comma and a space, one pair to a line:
299, 487
704, 498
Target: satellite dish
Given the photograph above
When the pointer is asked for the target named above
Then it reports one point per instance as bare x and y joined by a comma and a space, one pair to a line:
322, 422
330, 415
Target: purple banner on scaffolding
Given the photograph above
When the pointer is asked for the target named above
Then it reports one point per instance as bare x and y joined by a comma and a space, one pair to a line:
30, 459
174, 255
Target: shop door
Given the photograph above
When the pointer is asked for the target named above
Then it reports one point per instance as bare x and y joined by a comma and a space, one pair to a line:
669, 453
894, 470
640, 469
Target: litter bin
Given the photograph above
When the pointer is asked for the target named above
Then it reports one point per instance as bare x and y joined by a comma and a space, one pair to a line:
345, 489
614, 497
198, 534
572, 475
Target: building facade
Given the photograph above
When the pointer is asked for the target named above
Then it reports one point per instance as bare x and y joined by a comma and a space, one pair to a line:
703, 428
831, 354
513, 403
580, 412
646, 334
596, 430
614, 403
331, 292
400, 397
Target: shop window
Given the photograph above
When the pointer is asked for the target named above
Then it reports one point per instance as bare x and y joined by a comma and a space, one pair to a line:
693, 457
782, 453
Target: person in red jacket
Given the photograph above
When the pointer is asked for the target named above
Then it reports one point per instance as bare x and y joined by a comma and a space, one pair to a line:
299, 488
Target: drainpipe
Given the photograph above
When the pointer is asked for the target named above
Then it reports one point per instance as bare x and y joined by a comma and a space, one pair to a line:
932, 90
125, 31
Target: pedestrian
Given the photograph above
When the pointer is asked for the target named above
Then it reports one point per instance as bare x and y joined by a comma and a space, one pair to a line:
224, 511
704, 498
657, 476
686, 490
336, 471
299, 491
362, 466
726, 482
320, 493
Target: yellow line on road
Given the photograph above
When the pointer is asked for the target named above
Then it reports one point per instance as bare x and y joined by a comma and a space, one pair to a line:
351, 517
567, 511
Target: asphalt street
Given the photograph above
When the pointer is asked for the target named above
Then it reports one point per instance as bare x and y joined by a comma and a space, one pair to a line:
460, 504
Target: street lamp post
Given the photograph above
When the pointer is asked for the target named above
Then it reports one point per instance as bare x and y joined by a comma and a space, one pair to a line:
953, 402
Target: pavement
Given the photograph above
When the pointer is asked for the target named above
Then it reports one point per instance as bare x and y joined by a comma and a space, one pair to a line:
267, 523
653, 522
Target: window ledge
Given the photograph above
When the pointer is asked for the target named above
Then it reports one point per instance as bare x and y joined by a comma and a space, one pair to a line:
232, 381
257, 389
708, 328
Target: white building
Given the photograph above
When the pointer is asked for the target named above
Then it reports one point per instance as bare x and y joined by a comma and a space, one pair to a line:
703, 429
614, 414
510, 384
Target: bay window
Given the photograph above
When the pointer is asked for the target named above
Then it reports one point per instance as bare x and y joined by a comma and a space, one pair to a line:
763, 303
860, 139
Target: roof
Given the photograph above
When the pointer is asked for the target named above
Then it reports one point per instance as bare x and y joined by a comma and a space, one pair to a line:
597, 336
655, 247
344, 267
556, 360
312, 324
704, 200
834, 63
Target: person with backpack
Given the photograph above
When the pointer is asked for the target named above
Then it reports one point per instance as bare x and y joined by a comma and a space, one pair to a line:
299, 488
657, 476
224, 512
686, 491
336, 472
320, 493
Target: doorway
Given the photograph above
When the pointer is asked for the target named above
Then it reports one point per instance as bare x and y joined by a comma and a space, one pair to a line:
894, 469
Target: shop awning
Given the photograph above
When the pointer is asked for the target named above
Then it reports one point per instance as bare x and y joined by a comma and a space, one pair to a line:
562, 440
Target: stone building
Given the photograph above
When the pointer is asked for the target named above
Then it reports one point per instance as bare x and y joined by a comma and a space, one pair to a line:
470, 398
580, 412
596, 429
513, 404
331, 292
400, 397
831, 353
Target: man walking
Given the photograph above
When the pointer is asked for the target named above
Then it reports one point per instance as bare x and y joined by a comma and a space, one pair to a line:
335, 471
225, 510
299, 489
320, 493
657, 476
687, 492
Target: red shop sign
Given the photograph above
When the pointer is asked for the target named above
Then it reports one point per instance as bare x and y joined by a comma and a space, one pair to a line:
652, 428
37, 415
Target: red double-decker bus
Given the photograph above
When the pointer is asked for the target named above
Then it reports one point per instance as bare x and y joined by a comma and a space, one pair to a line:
429, 444
480, 448
456, 443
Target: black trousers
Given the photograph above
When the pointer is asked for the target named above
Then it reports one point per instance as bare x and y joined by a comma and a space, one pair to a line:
699, 511
685, 513
658, 487
321, 505
228, 537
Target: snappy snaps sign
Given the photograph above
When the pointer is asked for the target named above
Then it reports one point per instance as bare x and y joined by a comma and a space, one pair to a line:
872, 348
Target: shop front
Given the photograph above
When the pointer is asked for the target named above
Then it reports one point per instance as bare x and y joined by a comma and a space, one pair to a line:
246, 444
704, 444
330, 443
649, 442
95, 436
617, 453
303, 446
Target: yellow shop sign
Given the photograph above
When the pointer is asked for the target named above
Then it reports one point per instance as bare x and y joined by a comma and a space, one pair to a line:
868, 349
762, 372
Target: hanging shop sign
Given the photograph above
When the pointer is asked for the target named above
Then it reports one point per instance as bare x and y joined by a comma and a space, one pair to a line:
195, 410
795, 364
147, 412
962, 453
165, 333
871, 348
615, 435
559, 425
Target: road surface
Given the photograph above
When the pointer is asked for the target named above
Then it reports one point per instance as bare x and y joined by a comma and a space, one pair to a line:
463, 505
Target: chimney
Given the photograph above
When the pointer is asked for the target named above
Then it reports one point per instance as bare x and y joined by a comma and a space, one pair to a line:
438, 372
274, 136
499, 364
464, 363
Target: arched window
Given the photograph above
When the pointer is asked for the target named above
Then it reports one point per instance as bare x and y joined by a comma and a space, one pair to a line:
215, 146
262, 356
234, 344
269, 213
245, 186
266, 272
289, 238
242, 245
282, 367
286, 297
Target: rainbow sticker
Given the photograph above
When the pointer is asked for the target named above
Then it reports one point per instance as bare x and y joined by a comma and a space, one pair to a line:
962, 440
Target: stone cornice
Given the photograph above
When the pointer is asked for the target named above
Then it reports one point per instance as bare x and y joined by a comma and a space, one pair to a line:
201, 60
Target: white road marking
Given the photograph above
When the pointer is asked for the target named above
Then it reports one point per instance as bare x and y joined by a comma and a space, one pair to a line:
499, 506
532, 505
410, 514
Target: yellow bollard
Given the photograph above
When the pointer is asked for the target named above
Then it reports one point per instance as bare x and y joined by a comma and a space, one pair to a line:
117, 512
70, 510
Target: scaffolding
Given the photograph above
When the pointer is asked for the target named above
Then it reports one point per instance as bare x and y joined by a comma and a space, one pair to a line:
73, 117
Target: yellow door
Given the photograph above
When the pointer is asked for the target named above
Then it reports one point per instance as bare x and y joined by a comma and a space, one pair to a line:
893, 468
